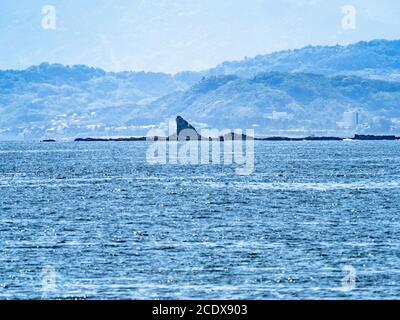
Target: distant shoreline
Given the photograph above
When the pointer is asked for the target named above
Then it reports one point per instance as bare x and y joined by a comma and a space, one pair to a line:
357, 137
186, 132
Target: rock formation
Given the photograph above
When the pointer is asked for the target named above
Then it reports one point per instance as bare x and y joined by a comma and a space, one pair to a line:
185, 131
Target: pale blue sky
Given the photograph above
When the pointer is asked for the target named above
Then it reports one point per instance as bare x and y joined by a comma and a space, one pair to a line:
176, 35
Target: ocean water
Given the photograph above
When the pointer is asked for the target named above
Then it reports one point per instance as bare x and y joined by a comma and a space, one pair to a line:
315, 220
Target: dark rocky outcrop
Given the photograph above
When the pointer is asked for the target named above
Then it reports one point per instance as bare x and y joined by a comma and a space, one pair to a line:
182, 124
185, 131
111, 139
300, 139
373, 137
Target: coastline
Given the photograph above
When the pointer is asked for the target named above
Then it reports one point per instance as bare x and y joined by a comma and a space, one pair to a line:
356, 137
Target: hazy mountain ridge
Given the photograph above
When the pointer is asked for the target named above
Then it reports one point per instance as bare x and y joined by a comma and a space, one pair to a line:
281, 101
374, 58
314, 89
72, 99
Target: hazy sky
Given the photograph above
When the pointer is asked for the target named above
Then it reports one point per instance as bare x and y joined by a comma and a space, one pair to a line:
176, 35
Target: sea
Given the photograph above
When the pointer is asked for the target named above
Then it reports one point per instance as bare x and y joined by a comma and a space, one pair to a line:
96, 220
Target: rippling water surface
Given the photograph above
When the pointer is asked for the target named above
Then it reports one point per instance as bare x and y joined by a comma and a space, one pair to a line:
95, 221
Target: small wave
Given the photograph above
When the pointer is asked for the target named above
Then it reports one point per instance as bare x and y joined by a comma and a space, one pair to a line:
321, 186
